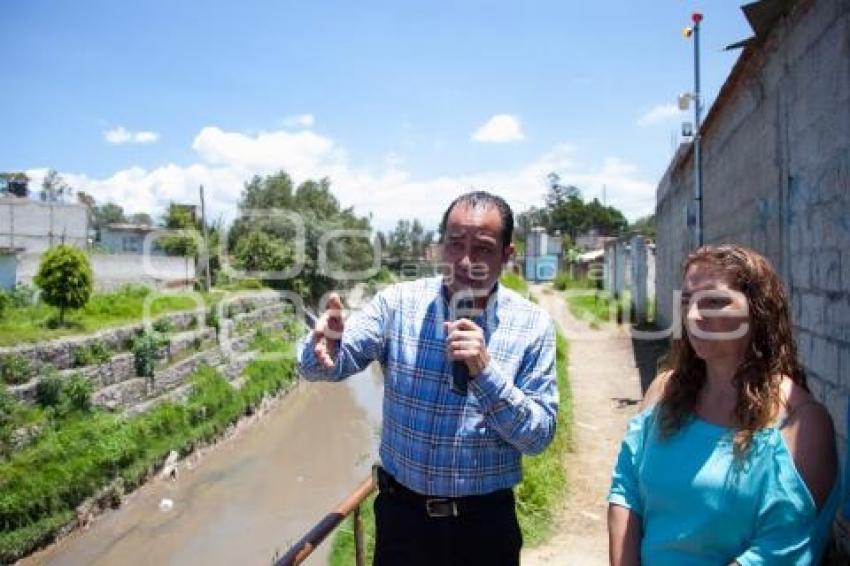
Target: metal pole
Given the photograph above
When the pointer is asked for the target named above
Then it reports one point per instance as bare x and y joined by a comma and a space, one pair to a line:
697, 18
206, 255
359, 554
308, 543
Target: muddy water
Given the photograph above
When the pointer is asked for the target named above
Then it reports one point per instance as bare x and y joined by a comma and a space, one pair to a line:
250, 496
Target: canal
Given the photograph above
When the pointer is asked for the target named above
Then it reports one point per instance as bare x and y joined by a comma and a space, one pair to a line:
251, 495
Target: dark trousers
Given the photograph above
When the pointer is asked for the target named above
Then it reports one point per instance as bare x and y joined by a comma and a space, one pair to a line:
406, 536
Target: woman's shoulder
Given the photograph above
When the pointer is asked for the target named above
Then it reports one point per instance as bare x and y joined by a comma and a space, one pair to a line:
809, 434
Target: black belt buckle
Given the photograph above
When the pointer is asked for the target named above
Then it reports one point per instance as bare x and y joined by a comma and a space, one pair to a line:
440, 507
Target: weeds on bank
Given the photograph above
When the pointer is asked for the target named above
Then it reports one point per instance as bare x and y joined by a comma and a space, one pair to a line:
41, 485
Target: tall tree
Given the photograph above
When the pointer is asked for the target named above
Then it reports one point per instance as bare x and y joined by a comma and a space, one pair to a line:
267, 205
141, 219
54, 188
645, 225
109, 213
180, 217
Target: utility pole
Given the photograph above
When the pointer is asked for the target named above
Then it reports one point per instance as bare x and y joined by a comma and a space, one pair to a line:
696, 17
206, 256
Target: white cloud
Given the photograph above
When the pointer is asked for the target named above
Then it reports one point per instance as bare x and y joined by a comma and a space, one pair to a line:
500, 128
145, 137
658, 115
300, 120
300, 153
122, 135
388, 191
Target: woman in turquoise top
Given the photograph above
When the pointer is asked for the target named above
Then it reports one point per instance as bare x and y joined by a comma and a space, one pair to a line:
731, 460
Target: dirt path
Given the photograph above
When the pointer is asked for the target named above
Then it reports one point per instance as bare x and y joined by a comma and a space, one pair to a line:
605, 386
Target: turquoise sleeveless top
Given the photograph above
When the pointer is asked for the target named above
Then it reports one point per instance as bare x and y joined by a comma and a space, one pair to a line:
698, 507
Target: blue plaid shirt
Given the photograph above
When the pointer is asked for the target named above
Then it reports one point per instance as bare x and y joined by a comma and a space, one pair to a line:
435, 441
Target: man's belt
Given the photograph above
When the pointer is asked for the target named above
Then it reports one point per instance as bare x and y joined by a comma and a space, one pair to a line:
434, 506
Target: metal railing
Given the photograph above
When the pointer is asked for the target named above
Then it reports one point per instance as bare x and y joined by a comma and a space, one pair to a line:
314, 537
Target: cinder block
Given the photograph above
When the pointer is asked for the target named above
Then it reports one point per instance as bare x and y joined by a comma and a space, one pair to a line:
835, 400
811, 315
824, 359
837, 318
844, 365
826, 270
845, 268
804, 345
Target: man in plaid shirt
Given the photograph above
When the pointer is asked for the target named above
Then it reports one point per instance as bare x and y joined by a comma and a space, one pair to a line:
466, 393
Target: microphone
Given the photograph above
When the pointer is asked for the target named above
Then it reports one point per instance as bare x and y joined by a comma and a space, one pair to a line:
460, 371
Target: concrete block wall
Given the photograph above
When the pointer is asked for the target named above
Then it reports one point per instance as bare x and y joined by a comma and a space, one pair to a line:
776, 176
112, 271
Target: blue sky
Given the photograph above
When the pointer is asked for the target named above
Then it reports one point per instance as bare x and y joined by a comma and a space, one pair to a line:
141, 101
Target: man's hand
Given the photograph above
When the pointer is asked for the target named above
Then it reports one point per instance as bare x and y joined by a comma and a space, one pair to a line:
328, 331
465, 343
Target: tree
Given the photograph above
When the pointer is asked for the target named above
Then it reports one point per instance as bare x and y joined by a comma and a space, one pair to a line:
258, 251
141, 219
408, 240
566, 211
645, 225
86, 199
273, 191
109, 213
606, 220
179, 217
319, 213
54, 187
65, 278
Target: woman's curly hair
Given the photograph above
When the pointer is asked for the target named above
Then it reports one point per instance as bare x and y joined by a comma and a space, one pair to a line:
771, 354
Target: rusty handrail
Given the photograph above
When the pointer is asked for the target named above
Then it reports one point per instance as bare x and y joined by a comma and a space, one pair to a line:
314, 537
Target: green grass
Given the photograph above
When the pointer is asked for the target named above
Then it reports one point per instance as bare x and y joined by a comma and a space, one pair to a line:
594, 305
41, 485
342, 553
543, 486
563, 281
544, 479
34, 323
514, 281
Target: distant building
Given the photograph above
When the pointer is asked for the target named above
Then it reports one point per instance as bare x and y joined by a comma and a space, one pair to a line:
35, 226
542, 255
122, 238
592, 241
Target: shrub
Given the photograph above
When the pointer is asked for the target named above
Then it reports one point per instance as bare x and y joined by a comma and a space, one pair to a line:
15, 369
49, 391
78, 391
563, 281
212, 319
5, 302
65, 278
247, 283
144, 352
23, 295
7, 408
96, 353
163, 325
